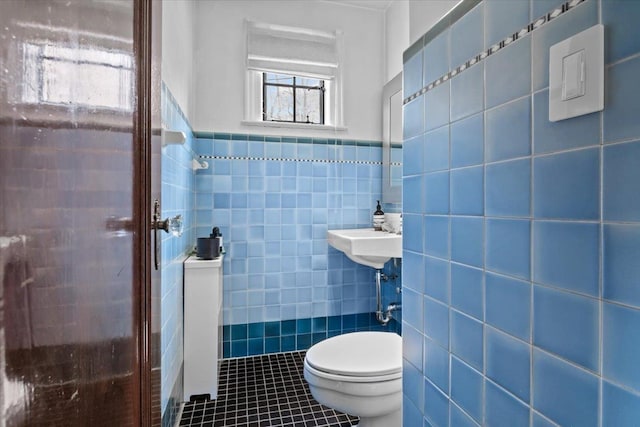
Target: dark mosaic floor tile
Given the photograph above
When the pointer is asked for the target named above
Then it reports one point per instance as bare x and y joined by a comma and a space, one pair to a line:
263, 391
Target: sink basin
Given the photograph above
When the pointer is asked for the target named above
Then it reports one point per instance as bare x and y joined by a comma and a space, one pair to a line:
366, 246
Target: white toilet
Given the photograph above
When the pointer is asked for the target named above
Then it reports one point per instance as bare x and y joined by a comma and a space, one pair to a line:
359, 373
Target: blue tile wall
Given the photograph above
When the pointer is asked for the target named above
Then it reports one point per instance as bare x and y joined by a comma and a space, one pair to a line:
466, 388
436, 321
274, 198
563, 392
508, 247
436, 150
623, 36
517, 59
414, 123
525, 253
501, 406
412, 75
467, 240
436, 406
466, 339
621, 182
619, 406
504, 18
436, 107
621, 270
567, 255
467, 141
412, 185
177, 198
436, 231
436, 193
582, 131
436, 279
508, 303
460, 418
436, 364
467, 93
621, 345
508, 188
502, 143
412, 382
467, 38
436, 57
467, 195
508, 363
467, 288
567, 325
414, 148
413, 348
567, 185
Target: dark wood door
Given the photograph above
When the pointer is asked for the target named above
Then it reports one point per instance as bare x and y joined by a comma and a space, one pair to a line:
76, 332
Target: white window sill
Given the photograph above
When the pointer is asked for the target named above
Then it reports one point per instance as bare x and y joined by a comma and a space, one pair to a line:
308, 126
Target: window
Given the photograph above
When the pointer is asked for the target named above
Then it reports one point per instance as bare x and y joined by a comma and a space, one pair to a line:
295, 99
294, 77
58, 76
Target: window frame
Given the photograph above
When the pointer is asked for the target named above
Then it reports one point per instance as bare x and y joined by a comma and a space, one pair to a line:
293, 86
333, 105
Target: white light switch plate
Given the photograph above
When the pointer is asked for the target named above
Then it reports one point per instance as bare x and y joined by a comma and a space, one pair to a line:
576, 75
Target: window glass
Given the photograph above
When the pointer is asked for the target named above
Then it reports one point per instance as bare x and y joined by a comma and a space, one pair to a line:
292, 99
308, 106
278, 78
278, 103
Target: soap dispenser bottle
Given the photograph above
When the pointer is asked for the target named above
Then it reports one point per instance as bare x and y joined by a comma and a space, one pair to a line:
216, 233
378, 218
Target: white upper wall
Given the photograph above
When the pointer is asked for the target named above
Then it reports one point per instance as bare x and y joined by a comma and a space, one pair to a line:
396, 36
424, 14
220, 62
178, 52
405, 22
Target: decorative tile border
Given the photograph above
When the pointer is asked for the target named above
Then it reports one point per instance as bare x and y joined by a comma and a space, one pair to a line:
565, 7
285, 159
337, 144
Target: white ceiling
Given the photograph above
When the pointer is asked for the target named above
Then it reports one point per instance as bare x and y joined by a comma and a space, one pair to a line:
368, 4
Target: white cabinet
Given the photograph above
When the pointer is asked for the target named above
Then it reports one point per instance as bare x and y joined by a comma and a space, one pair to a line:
202, 326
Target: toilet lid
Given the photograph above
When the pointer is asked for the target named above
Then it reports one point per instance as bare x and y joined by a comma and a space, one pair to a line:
359, 354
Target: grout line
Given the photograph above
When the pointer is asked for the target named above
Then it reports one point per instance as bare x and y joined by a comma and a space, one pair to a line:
601, 264
623, 60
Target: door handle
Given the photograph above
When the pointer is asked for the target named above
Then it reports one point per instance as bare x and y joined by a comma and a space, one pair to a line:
173, 226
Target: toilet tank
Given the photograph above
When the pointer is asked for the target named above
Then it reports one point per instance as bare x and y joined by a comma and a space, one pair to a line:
202, 326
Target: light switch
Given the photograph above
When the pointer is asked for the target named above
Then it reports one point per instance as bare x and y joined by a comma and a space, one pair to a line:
576, 75
573, 78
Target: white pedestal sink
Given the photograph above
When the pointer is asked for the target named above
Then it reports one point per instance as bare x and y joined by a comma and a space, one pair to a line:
367, 246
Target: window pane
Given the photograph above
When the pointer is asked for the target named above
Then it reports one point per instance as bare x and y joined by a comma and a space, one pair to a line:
86, 84
77, 76
279, 78
304, 81
279, 103
308, 105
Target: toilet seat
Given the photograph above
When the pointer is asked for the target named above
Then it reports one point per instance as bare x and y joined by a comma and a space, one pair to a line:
357, 356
